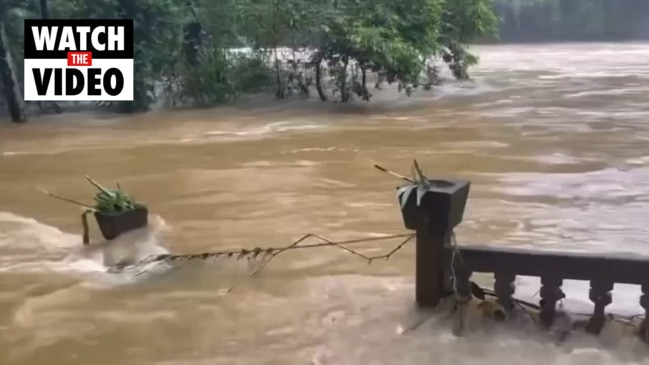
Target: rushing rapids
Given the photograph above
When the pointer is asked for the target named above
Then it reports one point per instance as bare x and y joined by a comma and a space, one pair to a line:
553, 137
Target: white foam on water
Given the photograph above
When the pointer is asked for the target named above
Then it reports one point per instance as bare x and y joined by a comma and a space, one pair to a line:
612, 91
355, 326
644, 160
270, 128
28, 246
31, 234
456, 88
626, 297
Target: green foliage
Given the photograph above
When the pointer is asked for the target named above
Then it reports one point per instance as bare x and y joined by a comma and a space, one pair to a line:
111, 201
183, 48
389, 36
251, 73
206, 83
106, 201
466, 20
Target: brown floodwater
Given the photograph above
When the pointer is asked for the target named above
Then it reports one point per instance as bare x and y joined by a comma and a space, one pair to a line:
555, 139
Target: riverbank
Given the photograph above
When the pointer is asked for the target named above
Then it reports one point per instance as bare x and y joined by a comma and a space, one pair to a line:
382, 100
296, 76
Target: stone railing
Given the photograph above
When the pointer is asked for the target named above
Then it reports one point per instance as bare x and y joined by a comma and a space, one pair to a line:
443, 267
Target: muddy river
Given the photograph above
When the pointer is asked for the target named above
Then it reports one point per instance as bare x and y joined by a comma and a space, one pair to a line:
555, 139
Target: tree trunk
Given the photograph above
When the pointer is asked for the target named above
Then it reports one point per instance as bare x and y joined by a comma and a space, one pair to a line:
280, 88
193, 37
365, 91
192, 34
10, 86
344, 93
318, 80
47, 106
44, 12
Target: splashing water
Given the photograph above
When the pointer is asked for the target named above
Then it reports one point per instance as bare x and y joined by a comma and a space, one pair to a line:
553, 137
28, 246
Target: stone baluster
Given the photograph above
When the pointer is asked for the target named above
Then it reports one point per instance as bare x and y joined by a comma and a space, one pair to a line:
505, 287
644, 303
550, 294
600, 295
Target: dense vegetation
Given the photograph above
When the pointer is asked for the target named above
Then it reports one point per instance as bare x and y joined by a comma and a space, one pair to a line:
184, 53
183, 48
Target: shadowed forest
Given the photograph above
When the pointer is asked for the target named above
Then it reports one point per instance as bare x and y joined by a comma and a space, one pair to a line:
201, 53
572, 20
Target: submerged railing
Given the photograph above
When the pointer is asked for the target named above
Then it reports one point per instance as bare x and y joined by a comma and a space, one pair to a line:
433, 208
444, 268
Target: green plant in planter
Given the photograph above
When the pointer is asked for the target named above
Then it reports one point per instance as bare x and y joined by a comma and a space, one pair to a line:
116, 212
106, 201
111, 201
419, 184
444, 200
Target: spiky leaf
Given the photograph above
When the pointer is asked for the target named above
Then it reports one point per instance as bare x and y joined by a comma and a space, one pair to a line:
421, 191
404, 193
